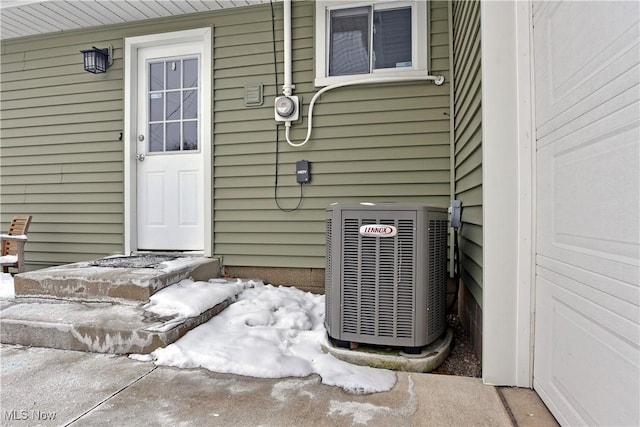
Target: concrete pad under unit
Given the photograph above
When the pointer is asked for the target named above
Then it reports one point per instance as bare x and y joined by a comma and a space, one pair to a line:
429, 358
82, 281
98, 327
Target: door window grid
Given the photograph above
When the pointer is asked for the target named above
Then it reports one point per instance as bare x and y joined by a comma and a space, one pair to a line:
173, 105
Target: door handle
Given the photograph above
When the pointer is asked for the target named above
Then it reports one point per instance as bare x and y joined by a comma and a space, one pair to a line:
140, 157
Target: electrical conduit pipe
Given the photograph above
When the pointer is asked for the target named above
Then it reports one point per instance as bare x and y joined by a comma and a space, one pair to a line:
287, 88
438, 80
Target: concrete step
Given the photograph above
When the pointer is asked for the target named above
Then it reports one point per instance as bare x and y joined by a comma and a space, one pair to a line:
99, 327
99, 306
116, 279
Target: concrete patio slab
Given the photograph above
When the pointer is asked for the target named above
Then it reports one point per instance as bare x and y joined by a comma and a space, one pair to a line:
52, 387
86, 389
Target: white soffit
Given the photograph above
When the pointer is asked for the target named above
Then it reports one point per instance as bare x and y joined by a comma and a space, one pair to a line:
20, 18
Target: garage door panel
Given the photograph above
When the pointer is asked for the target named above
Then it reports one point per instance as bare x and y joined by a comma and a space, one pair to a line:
594, 390
605, 85
620, 300
587, 313
580, 61
582, 218
591, 110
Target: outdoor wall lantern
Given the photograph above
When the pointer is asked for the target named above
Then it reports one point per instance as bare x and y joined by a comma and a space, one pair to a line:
96, 60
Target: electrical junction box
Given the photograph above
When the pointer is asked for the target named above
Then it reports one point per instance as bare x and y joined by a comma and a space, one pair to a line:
303, 171
455, 212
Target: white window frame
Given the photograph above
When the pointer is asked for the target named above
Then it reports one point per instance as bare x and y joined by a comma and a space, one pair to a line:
419, 41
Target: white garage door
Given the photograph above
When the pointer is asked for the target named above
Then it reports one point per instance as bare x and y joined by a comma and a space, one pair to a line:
587, 329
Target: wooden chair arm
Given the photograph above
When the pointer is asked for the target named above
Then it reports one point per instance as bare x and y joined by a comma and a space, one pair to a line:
20, 238
20, 241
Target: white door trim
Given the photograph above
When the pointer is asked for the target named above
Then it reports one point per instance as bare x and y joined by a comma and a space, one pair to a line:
525, 314
508, 203
131, 46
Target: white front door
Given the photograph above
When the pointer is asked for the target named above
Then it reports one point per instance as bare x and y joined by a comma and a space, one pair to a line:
587, 319
169, 165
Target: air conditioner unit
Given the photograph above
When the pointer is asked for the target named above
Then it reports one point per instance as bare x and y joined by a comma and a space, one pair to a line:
386, 274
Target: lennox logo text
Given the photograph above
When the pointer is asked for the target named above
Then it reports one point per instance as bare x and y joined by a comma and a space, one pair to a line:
378, 230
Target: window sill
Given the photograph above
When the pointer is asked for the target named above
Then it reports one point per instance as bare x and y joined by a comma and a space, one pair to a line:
406, 73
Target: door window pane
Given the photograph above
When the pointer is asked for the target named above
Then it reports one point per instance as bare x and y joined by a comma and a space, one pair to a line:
156, 76
156, 138
173, 106
349, 41
190, 73
156, 112
392, 39
173, 137
190, 135
190, 104
174, 74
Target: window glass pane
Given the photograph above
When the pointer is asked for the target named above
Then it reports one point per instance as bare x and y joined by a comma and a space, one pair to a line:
392, 38
173, 105
349, 41
156, 138
173, 137
156, 76
174, 74
190, 74
190, 135
156, 104
190, 104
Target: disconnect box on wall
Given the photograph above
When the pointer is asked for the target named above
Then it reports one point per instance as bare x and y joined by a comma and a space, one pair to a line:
303, 171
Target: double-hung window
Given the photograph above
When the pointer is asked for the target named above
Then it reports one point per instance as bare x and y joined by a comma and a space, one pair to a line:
368, 39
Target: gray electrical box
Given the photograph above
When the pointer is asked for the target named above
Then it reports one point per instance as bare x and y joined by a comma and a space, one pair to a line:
455, 213
303, 171
386, 273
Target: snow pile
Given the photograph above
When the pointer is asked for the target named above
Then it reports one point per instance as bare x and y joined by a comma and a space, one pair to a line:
6, 286
271, 333
188, 298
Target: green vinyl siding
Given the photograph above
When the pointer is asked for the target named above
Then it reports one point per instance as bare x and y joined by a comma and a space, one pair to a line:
468, 139
60, 157
62, 160
379, 143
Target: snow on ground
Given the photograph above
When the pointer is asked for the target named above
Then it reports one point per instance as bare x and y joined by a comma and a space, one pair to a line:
6, 286
270, 332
